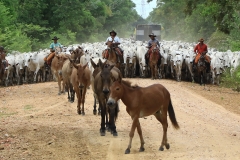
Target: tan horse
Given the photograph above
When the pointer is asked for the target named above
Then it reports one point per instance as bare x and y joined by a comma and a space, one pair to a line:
56, 67
66, 75
153, 60
141, 102
81, 80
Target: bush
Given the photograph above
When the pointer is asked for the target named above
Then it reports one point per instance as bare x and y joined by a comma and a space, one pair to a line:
231, 81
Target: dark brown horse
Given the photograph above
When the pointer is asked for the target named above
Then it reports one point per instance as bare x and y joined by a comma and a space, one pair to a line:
2, 65
201, 69
102, 83
141, 102
153, 60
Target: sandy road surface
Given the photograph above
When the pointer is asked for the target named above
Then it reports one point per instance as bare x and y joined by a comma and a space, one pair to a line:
36, 123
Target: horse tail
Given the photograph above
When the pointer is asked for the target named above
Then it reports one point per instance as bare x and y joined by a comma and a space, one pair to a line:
172, 115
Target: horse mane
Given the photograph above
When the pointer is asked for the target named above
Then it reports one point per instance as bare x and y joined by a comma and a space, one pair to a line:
129, 84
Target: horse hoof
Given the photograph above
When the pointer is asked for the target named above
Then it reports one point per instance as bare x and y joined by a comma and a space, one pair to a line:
109, 130
102, 132
94, 112
141, 149
83, 113
115, 134
161, 148
167, 145
59, 93
127, 151
99, 113
79, 112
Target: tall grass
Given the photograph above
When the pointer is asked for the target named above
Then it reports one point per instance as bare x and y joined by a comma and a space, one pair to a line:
231, 81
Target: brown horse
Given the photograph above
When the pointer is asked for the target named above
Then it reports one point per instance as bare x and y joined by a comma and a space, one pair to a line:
201, 69
76, 54
56, 67
153, 60
141, 102
80, 80
102, 83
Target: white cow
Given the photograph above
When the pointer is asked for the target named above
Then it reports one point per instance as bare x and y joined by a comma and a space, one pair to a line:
141, 51
19, 64
9, 69
177, 63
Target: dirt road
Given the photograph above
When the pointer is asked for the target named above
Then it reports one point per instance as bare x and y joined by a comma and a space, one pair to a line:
36, 123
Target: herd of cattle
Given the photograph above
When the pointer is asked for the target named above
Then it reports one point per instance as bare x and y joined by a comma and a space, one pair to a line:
176, 61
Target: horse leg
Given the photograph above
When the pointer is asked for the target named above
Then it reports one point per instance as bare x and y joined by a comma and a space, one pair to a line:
103, 114
141, 149
112, 121
162, 118
152, 72
79, 99
108, 123
68, 89
94, 106
59, 83
83, 99
156, 71
131, 134
72, 93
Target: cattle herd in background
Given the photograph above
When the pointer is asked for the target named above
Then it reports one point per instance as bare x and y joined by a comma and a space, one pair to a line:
176, 62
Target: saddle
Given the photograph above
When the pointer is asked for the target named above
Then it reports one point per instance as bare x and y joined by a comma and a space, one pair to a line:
116, 50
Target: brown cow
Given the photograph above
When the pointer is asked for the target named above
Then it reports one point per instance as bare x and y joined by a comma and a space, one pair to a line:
81, 80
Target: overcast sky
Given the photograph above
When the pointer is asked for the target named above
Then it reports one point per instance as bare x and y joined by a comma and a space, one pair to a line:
148, 7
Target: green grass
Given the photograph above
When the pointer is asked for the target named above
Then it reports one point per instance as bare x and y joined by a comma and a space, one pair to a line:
28, 107
231, 81
7, 114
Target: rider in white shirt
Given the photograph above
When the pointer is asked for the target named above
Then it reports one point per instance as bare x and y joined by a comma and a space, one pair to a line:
116, 40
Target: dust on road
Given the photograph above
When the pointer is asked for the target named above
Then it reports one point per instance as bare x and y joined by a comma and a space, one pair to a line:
36, 123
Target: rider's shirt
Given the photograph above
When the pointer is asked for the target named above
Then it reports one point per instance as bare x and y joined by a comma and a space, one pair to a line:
54, 45
200, 48
153, 41
116, 39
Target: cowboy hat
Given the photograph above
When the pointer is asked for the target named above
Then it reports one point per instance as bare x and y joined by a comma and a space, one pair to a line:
55, 38
201, 40
152, 35
113, 32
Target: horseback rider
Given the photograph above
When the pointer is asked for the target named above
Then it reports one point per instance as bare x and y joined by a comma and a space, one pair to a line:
53, 46
150, 42
115, 42
201, 49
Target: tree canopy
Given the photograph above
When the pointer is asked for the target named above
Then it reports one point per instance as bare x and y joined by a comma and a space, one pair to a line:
30, 24
218, 21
